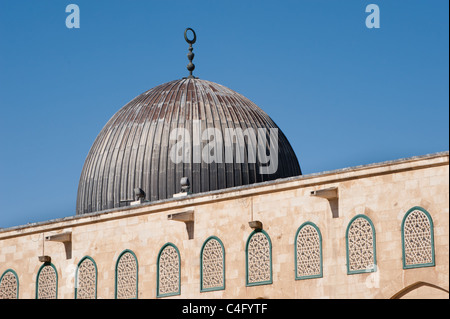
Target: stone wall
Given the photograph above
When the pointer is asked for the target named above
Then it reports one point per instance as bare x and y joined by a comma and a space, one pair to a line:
381, 192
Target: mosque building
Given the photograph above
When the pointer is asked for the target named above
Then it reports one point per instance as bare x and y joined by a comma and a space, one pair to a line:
192, 191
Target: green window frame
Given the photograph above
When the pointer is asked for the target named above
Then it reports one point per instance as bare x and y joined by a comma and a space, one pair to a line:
116, 272
158, 269
374, 265
222, 287
38, 275
77, 273
257, 232
432, 263
17, 280
320, 274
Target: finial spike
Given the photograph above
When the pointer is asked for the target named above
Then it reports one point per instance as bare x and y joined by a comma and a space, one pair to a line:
191, 54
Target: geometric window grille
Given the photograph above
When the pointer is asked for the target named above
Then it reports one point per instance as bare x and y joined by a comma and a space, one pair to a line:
86, 279
360, 237
258, 259
212, 265
417, 239
47, 282
9, 285
126, 276
168, 273
308, 252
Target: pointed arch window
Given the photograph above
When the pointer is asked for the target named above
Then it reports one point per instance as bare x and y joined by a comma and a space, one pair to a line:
86, 279
361, 250
168, 273
258, 251
308, 252
417, 239
9, 285
47, 282
212, 265
126, 276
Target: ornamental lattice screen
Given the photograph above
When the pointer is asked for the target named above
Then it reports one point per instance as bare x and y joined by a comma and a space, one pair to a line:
47, 283
360, 245
417, 239
126, 276
86, 284
8, 285
259, 259
212, 265
168, 271
308, 252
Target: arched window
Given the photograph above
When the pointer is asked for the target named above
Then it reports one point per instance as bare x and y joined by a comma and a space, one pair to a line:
258, 251
47, 282
86, 279
168, 274
126, 276
417, 239
212, 265
361, 251
9, 285
308, 252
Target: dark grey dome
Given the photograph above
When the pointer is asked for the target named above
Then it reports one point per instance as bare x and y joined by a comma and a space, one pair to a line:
136, 147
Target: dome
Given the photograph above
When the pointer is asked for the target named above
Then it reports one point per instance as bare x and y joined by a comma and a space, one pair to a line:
190, 128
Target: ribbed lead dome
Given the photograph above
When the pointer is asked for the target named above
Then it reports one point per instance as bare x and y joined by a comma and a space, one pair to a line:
136, 147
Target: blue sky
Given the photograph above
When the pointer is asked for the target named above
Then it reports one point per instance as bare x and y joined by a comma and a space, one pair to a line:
343, 94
